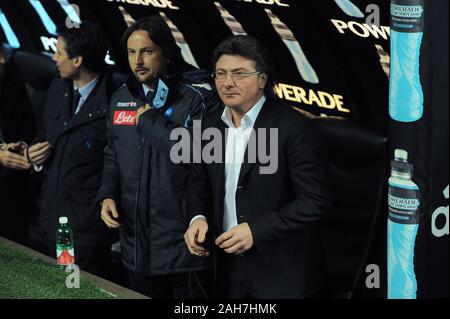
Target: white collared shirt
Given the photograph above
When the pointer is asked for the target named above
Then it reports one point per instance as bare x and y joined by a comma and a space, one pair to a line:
236, 146
85, 91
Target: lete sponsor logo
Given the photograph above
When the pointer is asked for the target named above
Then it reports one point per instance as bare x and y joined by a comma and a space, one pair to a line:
125, 118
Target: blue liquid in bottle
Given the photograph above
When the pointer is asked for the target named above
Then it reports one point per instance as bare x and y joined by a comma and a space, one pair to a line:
406, 94
403, 224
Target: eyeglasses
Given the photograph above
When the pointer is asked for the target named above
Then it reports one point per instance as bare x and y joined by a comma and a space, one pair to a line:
236, 75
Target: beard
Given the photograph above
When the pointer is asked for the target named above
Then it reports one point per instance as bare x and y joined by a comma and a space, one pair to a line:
147, 78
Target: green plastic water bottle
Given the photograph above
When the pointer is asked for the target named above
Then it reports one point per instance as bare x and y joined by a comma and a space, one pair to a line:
65, 254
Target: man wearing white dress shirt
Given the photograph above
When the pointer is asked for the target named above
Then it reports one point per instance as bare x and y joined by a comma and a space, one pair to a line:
265, 225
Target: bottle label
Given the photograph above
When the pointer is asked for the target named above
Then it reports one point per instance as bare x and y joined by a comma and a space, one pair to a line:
404, 205
65, 256
407, 15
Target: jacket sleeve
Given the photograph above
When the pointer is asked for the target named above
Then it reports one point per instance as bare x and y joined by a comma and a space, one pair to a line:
198, 191
41, 135
110, 187
306, 164
157, 129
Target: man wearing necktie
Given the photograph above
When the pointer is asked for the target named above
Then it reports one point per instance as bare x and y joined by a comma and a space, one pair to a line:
69, 149
75, 101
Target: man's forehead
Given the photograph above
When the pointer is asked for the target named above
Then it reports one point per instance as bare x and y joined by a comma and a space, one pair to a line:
141, 46
61, 43
140, 36
234, 61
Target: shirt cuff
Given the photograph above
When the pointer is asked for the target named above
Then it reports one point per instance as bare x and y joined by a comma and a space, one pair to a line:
37, 168
197, 217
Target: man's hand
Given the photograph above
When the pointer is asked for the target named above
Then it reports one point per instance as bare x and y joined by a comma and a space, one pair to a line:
39, 152
237, 240
141, 111
18, 148
109, 212
10, 159
195, 237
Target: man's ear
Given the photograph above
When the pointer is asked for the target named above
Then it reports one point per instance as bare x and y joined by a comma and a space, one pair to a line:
78, 61
263, 81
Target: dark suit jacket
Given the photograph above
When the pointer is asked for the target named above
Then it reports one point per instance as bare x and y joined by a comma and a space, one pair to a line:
282, 209
73, 171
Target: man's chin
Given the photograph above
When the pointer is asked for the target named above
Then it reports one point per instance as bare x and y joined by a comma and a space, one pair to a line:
231, 102
147, 79
65, 76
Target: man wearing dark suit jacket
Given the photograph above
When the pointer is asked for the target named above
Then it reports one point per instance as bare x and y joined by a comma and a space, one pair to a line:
264, 221
70, 147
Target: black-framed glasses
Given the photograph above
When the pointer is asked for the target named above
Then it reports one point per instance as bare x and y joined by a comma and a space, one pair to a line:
236, 75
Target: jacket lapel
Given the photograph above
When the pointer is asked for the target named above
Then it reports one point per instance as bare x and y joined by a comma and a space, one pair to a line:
61, 111
219, 168
265, 120
65, 107
94, 107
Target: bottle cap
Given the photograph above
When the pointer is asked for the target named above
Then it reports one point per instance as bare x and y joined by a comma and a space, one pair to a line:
63, 220
401, 155
400, 163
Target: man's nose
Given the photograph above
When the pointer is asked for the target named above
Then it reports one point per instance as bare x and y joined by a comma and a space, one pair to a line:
229, 80
139, 60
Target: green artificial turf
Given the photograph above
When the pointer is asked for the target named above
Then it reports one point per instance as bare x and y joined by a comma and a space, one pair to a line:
25, 277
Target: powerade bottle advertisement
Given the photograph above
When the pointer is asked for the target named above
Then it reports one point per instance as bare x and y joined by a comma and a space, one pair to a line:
406, 95
403, 224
